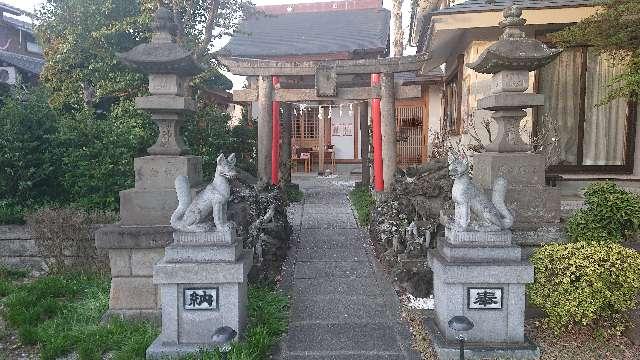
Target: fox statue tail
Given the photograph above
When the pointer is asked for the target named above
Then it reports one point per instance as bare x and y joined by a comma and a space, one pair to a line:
498, 200
183, 190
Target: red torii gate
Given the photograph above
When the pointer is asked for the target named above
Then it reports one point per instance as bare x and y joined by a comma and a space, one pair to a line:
382, 94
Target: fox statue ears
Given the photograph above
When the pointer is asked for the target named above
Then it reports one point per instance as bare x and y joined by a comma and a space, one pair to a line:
231, 160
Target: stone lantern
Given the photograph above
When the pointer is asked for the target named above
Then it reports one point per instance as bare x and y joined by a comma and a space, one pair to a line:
138, 241
170, 68
510, 60
536, 206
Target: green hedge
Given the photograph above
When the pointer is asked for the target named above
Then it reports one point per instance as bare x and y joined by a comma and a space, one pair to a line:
610, 214
583, 283
83, 158
363, 202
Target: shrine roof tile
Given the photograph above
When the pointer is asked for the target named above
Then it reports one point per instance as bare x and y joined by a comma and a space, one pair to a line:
312, 33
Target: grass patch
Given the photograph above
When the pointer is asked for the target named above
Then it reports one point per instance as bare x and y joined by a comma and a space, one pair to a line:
294, 194
61, 314
268, 319
363, 202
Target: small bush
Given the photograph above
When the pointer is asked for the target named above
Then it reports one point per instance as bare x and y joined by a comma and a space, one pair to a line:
11, 213
363, 202
294, 195
27, 155
65, 235
583, 283
610, 214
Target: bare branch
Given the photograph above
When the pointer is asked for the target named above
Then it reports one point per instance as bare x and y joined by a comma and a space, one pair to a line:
177, 18
209, 26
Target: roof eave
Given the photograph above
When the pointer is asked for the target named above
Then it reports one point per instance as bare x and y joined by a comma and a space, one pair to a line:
467, 20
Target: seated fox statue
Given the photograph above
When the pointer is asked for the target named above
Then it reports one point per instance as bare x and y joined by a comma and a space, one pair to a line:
194, 215
491, 215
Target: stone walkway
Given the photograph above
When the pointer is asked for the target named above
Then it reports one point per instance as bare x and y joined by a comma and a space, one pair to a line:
342, 304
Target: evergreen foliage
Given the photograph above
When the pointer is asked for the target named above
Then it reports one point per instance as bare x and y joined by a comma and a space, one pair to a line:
615, 30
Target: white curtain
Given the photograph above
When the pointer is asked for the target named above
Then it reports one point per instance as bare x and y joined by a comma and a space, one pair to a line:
560, 85
604, 125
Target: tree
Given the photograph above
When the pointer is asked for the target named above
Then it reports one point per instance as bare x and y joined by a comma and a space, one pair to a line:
82, 37
615, 31
398, 32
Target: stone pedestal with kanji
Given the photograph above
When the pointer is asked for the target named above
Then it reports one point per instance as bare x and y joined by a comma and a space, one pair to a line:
480, 275
202, 281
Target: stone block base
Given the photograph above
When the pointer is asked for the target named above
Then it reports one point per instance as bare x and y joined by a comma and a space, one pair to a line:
447, 350
153, 316
133, 252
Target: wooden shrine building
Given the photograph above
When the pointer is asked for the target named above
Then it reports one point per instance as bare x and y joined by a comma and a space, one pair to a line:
322, 70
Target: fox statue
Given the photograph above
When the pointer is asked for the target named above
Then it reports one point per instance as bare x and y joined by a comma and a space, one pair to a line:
492, 215
191, 215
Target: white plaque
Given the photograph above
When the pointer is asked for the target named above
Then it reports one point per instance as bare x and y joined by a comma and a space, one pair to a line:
484, 298
201, 298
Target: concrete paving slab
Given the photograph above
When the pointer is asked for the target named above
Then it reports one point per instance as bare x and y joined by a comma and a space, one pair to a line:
332, 337
356, 253
329, 221
333, 269
342, 304
326, 209
339, 309
328, 243
335, 287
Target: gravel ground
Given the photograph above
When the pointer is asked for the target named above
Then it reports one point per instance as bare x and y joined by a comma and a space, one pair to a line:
582, 344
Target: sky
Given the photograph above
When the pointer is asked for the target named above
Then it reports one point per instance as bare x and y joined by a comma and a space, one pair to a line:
238, 82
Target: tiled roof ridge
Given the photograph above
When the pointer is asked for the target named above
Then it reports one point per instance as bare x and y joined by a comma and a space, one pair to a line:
323, 6
484, 5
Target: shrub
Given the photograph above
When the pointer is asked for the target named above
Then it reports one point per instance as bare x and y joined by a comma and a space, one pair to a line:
208, 134
27, 159
97, 154
582, 283
363, 202
65, 235
610, 214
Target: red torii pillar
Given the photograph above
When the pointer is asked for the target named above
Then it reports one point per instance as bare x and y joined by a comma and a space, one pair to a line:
378, 180
275, 140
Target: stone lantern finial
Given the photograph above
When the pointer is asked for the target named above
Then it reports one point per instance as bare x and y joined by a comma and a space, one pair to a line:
164, 27
512, 23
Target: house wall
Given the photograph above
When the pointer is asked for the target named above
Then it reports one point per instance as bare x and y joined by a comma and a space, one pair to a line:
344, 124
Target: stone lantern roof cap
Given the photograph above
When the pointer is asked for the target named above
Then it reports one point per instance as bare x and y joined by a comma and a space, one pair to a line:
514, 51
162, 55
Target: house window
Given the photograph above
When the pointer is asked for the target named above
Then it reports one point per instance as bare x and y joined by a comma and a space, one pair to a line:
452, 117
592, 137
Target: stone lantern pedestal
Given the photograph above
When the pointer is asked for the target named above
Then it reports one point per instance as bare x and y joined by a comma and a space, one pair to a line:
203, 286
480, 275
